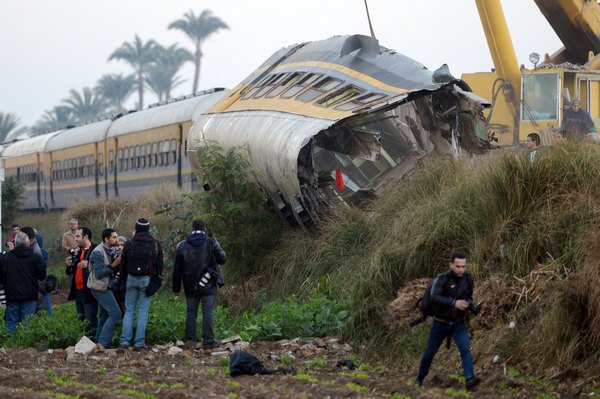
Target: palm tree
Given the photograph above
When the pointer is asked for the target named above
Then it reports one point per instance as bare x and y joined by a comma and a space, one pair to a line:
140, 56
57, 118
86, 105
9, 126
116, 89
162, 75
198, 29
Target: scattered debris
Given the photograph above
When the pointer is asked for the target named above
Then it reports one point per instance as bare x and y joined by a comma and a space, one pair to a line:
85, 346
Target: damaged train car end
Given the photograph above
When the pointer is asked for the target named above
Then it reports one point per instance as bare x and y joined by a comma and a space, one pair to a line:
335, 120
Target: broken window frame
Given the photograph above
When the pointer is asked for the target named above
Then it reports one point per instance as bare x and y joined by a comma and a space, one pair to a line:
345, 94
285, 84
317, 89
306, 81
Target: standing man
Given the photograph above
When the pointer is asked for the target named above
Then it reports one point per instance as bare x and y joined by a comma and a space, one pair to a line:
105, 265
576, 123
142, 258
20, 270
69, 241
452, 297
43, 302
77, 270
10, 243
196, 263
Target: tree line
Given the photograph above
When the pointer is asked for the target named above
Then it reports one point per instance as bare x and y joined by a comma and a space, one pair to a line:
155, 67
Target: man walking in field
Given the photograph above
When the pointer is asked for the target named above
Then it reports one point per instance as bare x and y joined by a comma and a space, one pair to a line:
452, 297
196, 263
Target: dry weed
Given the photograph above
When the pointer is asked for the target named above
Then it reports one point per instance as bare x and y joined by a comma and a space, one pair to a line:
401, 311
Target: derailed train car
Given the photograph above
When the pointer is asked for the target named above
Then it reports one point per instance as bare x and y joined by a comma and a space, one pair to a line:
325, 122
334, 120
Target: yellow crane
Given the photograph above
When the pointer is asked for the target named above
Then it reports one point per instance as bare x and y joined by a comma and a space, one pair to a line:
532, 100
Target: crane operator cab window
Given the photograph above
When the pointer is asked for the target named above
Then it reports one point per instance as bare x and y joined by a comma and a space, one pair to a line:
540, 96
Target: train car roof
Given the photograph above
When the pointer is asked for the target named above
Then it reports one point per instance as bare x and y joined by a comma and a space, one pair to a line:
162, 115
79, 135
28, 146
348, 55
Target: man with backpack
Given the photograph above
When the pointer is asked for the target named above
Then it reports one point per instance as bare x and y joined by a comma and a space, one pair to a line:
141, 259
196, 263
451, 297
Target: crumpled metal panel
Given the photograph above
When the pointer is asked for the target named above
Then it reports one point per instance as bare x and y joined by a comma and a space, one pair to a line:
80, 135
273, 138
28, 146
163, 115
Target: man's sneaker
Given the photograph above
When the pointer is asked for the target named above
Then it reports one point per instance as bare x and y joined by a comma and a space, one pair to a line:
472, 383
140, 348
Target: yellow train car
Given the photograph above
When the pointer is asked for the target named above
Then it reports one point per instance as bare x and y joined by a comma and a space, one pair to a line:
28, 161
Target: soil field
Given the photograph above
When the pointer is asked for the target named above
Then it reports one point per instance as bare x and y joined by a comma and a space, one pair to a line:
196, 373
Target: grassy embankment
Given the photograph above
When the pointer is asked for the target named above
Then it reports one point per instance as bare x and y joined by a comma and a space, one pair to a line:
530, 231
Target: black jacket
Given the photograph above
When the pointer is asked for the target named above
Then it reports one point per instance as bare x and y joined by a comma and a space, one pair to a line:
446, 289
20, 270
70, 271
196, 255
157, 262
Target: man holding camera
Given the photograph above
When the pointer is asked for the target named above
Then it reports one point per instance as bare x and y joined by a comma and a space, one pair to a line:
77, 270
196, 263
452, 297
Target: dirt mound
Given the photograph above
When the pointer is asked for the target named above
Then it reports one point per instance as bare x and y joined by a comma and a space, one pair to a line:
402, 311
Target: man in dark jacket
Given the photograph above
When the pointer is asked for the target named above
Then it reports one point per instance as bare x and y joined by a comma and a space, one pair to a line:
577, 122
20, 270
78, 272
196, 263
452, 296
142, 258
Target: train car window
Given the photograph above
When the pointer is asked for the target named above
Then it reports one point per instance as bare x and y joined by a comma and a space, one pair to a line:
173, 151
305, 81
154, 154
120, 159
257, 86
288, 81
360, 101
277, 79
100, 164
148, 155
142, 156
136, 157
339, 96
320, 87
83, 167
111, 161
126, 158
132, 164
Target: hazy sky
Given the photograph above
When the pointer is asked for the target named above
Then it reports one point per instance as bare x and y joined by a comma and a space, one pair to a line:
51, 46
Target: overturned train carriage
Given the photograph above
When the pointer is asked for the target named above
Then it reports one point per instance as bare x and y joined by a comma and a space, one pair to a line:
343, 110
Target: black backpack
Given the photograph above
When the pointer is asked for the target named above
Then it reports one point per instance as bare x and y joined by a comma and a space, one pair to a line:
140, 257
425, 305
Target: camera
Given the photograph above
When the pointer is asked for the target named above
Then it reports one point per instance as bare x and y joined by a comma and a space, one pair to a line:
473, 308
74, 252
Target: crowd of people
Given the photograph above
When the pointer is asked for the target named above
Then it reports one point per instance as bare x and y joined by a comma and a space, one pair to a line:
113, 281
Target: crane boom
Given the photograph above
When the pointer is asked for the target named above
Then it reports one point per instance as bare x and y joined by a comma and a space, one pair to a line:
577, 25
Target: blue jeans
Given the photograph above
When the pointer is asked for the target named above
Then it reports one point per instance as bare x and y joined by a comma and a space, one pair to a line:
439, 331
87, 312
135, 295
208, 307
18, 312
110, 315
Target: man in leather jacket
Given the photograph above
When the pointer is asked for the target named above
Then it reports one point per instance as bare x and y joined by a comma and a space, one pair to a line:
452, 297
196, 264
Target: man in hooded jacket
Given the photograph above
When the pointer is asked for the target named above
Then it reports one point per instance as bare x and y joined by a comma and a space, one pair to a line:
196, 264
20, 270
